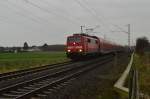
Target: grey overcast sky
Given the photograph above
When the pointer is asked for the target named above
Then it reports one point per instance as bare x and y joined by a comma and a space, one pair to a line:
51, 21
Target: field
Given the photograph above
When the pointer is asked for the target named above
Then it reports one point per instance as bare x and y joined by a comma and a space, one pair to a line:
142, 63
19, 61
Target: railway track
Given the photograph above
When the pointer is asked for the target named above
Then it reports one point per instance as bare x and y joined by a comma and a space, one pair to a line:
20, 73
29, 74
42, 86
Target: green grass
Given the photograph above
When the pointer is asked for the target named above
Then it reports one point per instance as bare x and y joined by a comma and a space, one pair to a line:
142, 63
18, 61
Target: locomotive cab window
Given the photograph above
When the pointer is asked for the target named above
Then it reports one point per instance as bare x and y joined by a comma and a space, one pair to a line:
74, 39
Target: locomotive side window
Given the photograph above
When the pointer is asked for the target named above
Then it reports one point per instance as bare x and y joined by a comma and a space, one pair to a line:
88, 40
74, 39
96, 41
92, 41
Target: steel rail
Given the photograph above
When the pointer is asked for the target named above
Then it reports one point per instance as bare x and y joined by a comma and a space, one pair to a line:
57, 82
8, 73
30, 76
14, 88
20, 73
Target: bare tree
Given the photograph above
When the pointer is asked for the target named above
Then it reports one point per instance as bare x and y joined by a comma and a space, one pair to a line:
26, 46
45, 47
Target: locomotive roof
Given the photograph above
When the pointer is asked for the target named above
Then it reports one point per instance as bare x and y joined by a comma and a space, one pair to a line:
83, 34
101, 39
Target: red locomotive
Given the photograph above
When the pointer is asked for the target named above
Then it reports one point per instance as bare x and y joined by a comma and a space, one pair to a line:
83, 44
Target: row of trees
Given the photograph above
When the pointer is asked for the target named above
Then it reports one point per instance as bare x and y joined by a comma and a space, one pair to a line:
142, 45
45, 47
26, 46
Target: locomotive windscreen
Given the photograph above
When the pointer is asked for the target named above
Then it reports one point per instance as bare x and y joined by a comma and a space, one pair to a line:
74, 39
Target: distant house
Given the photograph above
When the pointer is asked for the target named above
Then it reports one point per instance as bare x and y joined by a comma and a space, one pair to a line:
1, 49
8, 49
12, 49
53, 48
33, 49
45, 47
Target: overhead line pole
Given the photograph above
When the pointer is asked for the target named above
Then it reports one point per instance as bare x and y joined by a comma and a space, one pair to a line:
81, 29
129, 35
127, 32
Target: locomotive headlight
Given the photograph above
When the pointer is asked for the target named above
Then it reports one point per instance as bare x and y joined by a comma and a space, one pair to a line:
80, 50
69, 50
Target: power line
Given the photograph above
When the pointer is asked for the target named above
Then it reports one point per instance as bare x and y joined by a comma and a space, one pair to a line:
85, 1
120, 29
29, 13
19, 13
37, 17
87, 9
71, 18
105, 23
92, 12
43, 20
16, 12
51, 12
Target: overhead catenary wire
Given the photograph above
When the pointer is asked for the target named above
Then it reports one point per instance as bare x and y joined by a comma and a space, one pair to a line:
51, 12
92, 12
22, 11
37, 18
73, 18
87, 9
43, 21
7, 18
18, 12
118, 27
105, 23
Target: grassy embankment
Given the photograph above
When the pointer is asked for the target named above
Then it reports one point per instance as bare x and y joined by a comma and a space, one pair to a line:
18, 61
142, 63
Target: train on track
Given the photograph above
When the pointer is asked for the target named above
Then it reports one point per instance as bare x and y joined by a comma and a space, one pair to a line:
79, 45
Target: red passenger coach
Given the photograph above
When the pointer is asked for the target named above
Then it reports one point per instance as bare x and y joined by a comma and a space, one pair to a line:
81, 45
